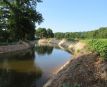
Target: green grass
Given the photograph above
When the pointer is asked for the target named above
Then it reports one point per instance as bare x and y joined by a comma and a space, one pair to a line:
98, 45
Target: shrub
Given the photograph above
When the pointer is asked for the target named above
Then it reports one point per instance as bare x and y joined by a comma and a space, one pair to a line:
99, 46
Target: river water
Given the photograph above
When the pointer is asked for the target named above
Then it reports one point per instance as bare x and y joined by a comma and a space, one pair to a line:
32, 69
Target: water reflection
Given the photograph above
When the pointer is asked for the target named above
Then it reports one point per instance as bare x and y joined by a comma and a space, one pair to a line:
22, 55
19, 72
11, 78
31, 68
50, 63
41, 50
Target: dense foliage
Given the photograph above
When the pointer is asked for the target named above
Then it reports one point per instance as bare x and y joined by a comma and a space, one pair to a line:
100, 33
18, 19
44, 33
99, 46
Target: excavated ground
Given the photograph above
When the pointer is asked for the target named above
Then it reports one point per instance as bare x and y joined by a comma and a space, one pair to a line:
84, 71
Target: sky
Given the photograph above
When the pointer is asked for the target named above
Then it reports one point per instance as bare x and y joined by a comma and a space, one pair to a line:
73, 15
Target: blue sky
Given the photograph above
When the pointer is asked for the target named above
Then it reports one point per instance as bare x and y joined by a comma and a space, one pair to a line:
73, 15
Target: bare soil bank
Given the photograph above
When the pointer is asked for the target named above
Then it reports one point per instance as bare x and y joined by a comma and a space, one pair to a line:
17, 47
85, 70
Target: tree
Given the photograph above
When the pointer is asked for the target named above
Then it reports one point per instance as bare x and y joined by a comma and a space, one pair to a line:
44, 33
22, 17
50, 33
99, 33
59, 35
41, 32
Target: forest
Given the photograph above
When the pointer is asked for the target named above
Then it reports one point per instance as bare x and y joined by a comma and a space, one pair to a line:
95, 34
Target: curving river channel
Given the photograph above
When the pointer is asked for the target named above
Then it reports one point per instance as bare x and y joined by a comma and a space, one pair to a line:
31, 69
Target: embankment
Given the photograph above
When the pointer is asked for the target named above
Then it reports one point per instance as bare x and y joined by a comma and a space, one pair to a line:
19, 46
84, 70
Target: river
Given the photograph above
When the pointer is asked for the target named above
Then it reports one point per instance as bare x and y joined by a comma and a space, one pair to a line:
32, 69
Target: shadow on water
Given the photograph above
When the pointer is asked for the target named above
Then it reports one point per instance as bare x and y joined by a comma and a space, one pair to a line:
11, 78
19, 55
19, 70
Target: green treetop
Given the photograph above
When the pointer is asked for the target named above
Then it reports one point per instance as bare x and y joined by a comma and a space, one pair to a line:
19, 18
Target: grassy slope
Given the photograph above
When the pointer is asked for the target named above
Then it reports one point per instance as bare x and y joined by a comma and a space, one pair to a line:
97, 45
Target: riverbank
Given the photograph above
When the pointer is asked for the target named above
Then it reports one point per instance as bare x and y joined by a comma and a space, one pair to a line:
75, 47
84, 70
19, 46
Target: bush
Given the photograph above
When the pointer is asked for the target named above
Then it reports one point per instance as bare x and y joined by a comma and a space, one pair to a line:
99, 46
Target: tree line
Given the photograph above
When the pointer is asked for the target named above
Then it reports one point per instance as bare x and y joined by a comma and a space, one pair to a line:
18, 19
99, 33
44, 33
